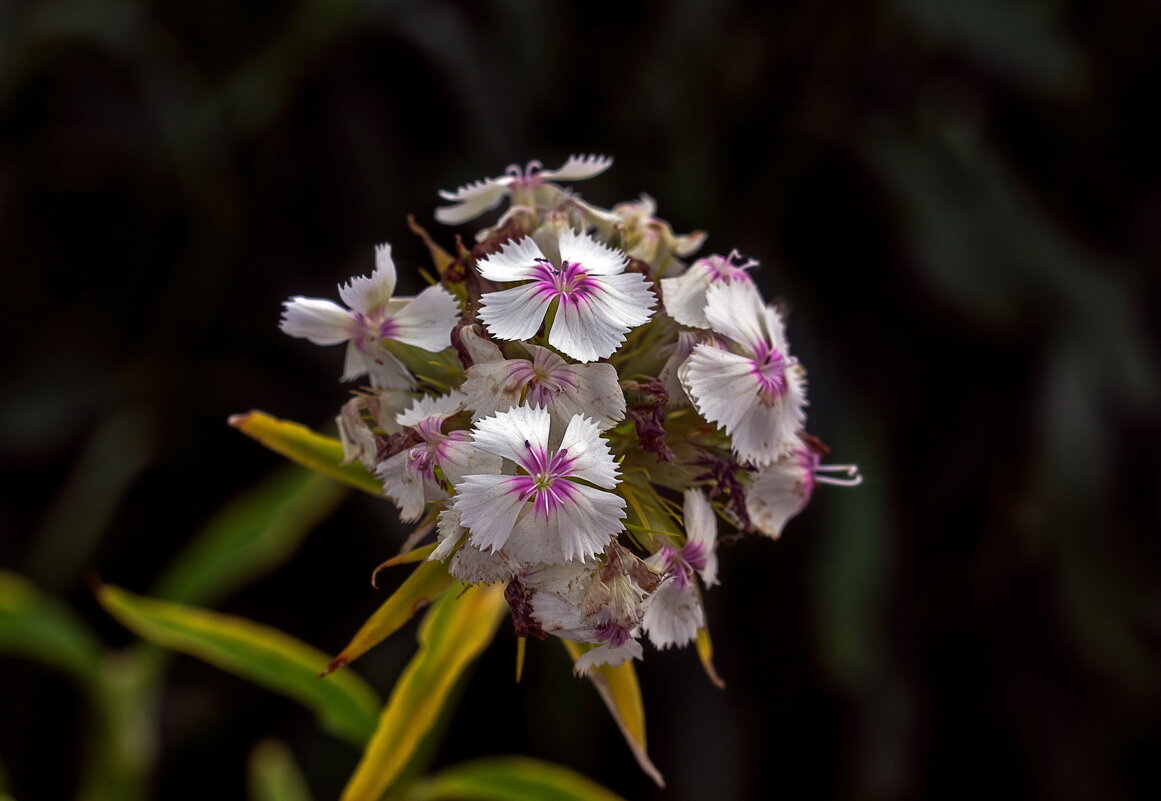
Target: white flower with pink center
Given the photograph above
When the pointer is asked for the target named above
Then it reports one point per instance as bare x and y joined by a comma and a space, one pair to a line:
675, 612
372, 316
755, 391
472, 200
546, 509
685, 296
782, 490
424, 471
596, 302
548, 381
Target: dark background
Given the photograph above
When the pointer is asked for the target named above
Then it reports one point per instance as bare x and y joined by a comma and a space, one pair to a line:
959, 203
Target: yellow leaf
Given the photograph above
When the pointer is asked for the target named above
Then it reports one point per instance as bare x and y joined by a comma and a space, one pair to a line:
426, 583
622, 695
705, 652
310, 449
456, 630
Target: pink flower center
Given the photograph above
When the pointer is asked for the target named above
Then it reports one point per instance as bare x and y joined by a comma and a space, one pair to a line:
769, 369
543, 381
545, 483
569, 281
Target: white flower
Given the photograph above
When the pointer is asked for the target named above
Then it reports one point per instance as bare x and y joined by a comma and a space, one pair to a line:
543, 514
424, 321
597, 302
472, 200
782, 490
684, 296
675, 613
548, 381
409, 477
758, 394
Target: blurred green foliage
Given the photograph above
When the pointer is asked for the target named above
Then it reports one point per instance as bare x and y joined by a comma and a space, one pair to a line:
960, 201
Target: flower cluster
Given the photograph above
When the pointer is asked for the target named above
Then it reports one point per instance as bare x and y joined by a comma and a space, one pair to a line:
573, 407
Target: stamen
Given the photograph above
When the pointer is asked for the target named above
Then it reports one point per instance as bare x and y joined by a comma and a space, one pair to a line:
854, 477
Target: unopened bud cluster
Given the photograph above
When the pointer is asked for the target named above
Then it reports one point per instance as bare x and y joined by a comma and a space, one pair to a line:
574, 406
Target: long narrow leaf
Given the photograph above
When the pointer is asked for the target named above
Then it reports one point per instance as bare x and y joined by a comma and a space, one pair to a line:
426, 583
344, 704
251, 536
455, 631
36, 626
510, 779
622, 695
273, 774
309, 448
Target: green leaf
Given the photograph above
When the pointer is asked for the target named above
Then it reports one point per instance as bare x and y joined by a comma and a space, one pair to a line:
426, 583
456, 630
251, 536
273, 774
308, 448
621, 693
509, 779
344, 704
36, 626
442, 371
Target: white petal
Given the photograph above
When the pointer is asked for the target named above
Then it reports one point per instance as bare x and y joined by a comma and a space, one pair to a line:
595, 327
597, 395
474, 566
448, 533
735, 309
369, 295
565, 579
680, 350
509, 434
355, 435
487, 388
673, 616
701, 525
488, 508
515, 261
607, 655
592, 460
473, 200
594, 257
577, 168
725, 391
425, 406
778, 493
384, 369
684, 297
514, 313
427, 321
479, 348
323, 322
559, 616
403, 486
458, 458
578, 530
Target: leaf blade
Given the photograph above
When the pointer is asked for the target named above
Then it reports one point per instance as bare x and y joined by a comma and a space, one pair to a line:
425, 584
252, 535
453, 633
344, 704
306, 447
510, 778
619, 689
35, 625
